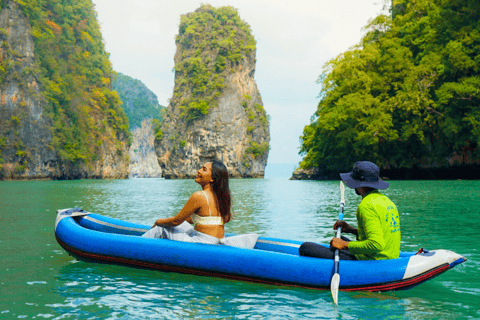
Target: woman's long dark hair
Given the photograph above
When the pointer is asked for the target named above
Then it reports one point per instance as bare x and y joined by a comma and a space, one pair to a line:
221, 190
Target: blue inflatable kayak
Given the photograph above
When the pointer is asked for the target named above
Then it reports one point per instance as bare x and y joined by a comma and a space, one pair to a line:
272, 261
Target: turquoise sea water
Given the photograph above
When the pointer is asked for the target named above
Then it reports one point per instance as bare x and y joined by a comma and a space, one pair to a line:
38, 279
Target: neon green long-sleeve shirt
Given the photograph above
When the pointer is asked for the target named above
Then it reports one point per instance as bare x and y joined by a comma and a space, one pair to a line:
378, 229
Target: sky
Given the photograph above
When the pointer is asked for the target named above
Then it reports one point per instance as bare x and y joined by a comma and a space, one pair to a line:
294, 41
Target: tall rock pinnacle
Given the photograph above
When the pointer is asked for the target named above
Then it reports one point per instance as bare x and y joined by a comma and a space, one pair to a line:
216, 111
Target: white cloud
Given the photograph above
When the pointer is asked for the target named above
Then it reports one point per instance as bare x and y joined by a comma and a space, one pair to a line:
294, 40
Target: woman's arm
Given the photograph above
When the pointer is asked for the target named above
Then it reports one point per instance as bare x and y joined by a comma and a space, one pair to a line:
192, 205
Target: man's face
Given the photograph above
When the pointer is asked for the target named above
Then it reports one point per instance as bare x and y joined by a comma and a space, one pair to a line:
356, 191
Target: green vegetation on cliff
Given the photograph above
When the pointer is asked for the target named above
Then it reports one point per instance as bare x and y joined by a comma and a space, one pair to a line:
257, 117
214, 41
139, 102
2, 145
407, 95
75, 73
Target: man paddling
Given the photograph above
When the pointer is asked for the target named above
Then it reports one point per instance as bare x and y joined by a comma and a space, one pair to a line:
378, 233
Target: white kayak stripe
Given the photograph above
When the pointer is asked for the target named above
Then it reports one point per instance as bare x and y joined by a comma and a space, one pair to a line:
114, 225
285, 244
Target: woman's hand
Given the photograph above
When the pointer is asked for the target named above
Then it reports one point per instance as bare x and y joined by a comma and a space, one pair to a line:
345, 227
158, 222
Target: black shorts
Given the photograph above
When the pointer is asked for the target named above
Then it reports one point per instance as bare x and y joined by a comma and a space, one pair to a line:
310, 249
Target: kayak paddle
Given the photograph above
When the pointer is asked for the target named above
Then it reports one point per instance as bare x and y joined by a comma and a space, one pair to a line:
336, 277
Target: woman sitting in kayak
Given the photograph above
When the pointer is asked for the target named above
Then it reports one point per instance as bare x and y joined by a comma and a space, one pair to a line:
208, 210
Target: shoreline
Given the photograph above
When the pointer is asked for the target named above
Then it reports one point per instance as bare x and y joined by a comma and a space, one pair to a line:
467, 172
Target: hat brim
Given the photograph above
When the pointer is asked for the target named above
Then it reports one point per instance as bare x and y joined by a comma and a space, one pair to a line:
353, 183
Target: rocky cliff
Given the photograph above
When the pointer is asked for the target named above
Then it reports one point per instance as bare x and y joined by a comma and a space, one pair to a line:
24, 130
216, 111
143, 161
59, 118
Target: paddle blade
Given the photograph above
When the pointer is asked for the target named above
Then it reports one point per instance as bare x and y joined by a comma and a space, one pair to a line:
334, 287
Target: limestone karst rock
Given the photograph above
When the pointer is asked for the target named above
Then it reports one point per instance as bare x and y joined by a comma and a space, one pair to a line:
59, 118
216, 111
16, 99
143, 161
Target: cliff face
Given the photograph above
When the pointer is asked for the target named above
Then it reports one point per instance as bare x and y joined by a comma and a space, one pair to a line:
47, 132
143, 161
24, 130
216, 111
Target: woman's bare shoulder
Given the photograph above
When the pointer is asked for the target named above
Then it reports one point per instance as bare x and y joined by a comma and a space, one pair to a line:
195, 201
197, 196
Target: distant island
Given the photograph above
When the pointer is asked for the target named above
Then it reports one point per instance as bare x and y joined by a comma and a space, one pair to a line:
138, 101
144, 115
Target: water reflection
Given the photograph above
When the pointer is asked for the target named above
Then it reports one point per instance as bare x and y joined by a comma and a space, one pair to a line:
137, 293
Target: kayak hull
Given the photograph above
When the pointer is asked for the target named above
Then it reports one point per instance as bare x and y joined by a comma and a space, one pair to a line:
272, 261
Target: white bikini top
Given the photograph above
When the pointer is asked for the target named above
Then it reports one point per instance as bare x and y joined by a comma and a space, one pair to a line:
207, 221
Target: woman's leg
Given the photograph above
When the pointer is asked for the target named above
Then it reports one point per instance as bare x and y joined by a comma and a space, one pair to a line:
168, 232
155, 232
199, 237
183, 232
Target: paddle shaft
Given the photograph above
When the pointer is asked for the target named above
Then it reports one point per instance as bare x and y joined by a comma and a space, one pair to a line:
335, 283
339, 230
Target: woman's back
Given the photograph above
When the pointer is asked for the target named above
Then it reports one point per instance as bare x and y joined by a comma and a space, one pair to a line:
207, 219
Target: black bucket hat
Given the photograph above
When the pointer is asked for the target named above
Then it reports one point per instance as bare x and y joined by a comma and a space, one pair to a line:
364, 174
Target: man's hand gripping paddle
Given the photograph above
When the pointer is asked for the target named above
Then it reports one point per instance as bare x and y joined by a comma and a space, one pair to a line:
336, 277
